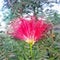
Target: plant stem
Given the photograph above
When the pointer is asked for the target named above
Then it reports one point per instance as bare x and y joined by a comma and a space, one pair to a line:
31, 52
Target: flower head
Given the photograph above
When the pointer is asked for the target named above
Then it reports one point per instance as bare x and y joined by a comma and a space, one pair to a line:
31, 30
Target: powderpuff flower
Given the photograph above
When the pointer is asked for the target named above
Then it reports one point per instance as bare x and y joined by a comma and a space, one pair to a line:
29, 31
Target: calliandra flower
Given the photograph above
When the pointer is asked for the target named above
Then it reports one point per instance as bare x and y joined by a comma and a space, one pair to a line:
30, 31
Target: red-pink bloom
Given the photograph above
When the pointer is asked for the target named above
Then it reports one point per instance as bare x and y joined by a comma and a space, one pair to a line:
30, 31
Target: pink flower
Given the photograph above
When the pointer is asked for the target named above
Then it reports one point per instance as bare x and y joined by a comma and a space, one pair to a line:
31, 30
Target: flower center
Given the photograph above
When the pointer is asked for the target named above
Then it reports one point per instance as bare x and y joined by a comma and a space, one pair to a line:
30, 41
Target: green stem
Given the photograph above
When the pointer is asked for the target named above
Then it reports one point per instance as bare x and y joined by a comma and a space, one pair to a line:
31, 52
